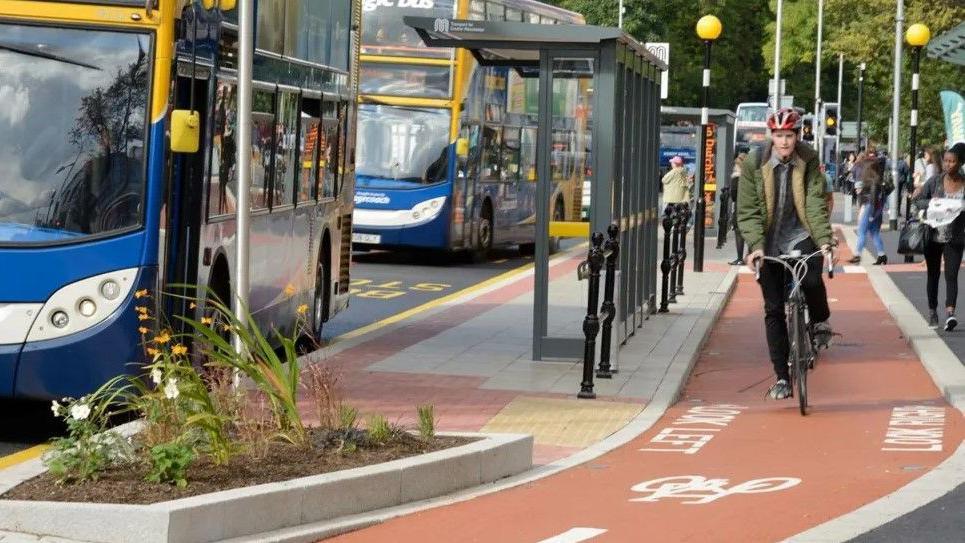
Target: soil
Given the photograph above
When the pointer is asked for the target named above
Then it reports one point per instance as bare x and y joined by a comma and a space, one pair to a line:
280, 462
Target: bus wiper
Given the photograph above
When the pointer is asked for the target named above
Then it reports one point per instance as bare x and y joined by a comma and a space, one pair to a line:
49, 56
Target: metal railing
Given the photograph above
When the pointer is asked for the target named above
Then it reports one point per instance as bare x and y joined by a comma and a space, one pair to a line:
676, 218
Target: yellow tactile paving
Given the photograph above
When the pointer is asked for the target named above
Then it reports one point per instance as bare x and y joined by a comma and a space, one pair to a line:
563, 422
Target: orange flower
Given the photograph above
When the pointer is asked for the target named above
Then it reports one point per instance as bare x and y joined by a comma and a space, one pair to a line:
290, 290
226, 327
302, 309
179, 349
141, 293
192, 305
162, 338
207, 321
143, 317
141, 309
143, 330
152, 351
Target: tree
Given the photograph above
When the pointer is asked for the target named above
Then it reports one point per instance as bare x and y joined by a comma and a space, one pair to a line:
864, 31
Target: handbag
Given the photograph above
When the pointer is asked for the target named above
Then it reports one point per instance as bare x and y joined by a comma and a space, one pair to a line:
913, 238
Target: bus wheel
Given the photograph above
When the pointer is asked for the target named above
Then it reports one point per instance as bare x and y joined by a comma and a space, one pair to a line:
559, 213
323, 287
484, 236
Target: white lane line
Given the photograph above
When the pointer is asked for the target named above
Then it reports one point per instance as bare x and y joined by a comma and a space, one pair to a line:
575, 535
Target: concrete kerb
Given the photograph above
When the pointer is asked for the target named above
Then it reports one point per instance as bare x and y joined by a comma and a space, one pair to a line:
666, 395
293, 506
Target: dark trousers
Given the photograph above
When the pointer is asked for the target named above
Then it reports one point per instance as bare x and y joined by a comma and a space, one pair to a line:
738, 240
952, 254
774, 286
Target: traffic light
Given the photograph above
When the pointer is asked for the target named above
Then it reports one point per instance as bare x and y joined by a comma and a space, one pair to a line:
831, 120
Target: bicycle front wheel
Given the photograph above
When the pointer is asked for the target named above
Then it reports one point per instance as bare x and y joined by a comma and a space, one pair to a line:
799, 357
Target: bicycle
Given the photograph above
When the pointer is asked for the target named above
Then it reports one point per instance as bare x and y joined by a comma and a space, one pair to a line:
803, 350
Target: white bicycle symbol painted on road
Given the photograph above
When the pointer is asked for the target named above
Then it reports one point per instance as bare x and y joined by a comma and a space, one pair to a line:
700, 490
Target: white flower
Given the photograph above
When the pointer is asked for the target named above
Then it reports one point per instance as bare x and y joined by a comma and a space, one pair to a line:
55, 407
171, 389
79, 411
156, 376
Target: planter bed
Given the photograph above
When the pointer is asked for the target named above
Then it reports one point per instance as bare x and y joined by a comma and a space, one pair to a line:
168, 514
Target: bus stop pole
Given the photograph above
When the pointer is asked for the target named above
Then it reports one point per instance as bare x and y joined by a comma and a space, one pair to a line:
246, 49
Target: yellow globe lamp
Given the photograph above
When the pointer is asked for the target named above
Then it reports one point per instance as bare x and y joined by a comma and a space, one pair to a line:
918, 35
709, 28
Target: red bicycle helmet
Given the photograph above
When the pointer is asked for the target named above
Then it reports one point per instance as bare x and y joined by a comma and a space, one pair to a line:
785, 118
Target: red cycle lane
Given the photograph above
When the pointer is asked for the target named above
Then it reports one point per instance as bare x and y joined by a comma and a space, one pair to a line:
724, 464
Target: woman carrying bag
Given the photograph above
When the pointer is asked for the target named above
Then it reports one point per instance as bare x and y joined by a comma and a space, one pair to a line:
940, 202
871, 193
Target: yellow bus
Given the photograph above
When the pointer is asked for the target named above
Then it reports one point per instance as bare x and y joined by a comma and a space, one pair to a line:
446, 149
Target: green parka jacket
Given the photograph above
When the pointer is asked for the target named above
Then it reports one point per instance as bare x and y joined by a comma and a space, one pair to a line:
757, 195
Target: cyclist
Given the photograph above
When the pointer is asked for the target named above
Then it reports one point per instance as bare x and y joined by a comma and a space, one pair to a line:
781, 206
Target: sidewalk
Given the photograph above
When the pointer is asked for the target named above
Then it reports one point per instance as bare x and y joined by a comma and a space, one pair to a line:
471, 359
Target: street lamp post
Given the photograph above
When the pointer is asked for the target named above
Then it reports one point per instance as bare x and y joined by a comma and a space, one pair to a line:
917, 37
776, 105
708, 29
861, 68
895, 113
818, 123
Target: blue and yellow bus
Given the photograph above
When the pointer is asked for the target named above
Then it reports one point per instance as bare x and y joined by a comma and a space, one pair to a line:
446, 148
95, 208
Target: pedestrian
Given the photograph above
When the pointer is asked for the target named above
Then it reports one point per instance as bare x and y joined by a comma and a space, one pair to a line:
930, 167
676, 183
871, 199
735, 176
940, 196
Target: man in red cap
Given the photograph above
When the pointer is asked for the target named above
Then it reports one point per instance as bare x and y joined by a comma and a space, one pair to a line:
676, 183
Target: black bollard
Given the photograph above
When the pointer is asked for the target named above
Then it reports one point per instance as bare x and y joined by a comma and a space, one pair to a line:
686, 213
591, 324
675, 216
665, 264
608, 309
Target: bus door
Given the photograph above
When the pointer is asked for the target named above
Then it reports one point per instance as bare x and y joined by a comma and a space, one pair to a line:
470, 182
182, 214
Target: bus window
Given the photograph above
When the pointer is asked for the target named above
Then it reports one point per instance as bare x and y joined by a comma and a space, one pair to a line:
528, 154
384, 34
405, 80
495, 12
222, 184
510, 154
533, 18
477, 10
283, 192
308, 149
329, 148
262, 136
514, 15
492, 144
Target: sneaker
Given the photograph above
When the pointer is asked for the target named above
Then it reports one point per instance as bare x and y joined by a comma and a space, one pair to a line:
780, 390
738, 262
933, 319
822, 335
950, 323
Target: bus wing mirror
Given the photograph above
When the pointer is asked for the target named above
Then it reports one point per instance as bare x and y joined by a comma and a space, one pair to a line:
462, 147
185, 131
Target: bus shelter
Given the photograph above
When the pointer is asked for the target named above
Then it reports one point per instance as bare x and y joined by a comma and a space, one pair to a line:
623, 117
718, 159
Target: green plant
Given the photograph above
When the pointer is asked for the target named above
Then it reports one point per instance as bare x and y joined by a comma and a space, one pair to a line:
88, 448
277, 376
170, 463
427, 422
347, 417
379, 429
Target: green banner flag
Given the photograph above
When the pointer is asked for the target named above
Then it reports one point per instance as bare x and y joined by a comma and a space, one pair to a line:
954, 107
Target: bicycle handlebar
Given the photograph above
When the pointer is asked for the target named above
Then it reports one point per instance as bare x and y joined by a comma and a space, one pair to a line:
799, 263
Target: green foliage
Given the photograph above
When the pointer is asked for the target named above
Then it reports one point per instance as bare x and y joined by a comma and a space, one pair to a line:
427, 422
379, 429
278, 377
864, 31
347, 417
88, 448
170, 463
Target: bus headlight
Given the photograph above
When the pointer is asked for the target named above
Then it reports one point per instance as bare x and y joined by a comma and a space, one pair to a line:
110, 290
59, 319
428, 210
87, 307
